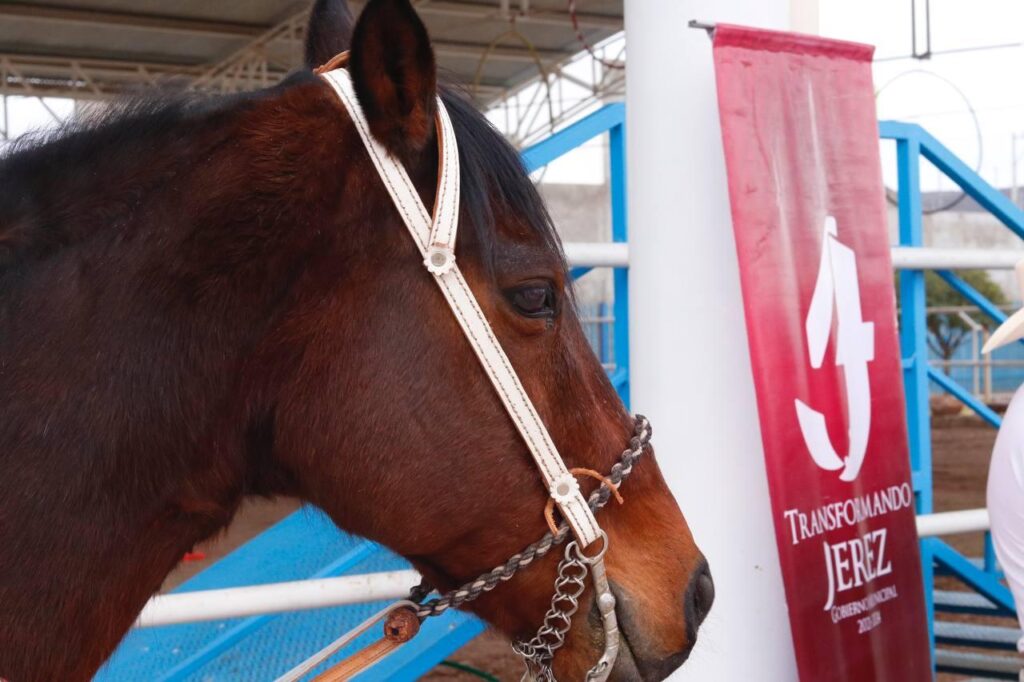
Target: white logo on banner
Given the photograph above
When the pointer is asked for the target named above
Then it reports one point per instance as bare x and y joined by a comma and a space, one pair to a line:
837, 289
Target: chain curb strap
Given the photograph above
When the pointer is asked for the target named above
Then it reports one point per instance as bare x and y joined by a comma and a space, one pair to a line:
539, 652
435, 238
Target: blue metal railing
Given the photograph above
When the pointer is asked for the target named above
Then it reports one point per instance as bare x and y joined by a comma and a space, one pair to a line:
968, 367
913, 143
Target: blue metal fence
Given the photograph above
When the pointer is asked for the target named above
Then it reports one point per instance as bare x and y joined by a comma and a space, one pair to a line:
599, 326
912, 144
920, 373
1005, 378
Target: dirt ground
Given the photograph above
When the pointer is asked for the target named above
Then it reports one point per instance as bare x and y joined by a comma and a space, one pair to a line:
255, 516
961, 449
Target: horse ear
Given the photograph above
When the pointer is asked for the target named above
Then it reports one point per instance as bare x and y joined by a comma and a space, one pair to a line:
329, 31
394, 76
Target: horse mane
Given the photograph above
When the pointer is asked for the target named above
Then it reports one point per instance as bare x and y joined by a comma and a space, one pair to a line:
45, 176
49, 179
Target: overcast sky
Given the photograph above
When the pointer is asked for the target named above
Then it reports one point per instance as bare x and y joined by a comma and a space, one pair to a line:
938, 93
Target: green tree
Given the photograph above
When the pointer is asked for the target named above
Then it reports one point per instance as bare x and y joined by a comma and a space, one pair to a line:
947, 330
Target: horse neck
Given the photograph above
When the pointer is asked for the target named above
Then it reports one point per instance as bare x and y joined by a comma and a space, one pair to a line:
137, 392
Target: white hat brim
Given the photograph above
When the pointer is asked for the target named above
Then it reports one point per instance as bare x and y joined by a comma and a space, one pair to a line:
1009, 331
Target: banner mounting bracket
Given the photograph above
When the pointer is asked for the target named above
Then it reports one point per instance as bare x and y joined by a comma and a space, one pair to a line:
703, 25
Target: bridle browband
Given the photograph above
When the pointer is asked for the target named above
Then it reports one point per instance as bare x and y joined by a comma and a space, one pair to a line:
434, 236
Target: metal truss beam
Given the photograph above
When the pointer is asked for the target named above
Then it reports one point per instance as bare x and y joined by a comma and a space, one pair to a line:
251, 66
152, 22
235, 29
266, 56
90, 79
541, 17
532, 110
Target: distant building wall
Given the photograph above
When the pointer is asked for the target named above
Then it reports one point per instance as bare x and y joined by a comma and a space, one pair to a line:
968, 230
582, 213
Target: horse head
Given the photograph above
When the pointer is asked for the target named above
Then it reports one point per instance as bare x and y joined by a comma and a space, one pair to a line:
210, 298
454, 488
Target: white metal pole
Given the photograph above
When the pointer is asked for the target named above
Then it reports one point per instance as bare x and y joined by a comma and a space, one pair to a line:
596, 254
1013, 169
236, 602
952, 523
976, 372
988, 367
690, 368
929, 258
614, 254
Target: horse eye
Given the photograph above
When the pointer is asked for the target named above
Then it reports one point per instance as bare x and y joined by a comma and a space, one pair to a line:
534, 301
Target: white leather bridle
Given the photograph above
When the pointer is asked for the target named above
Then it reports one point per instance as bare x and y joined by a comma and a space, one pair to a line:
434, 236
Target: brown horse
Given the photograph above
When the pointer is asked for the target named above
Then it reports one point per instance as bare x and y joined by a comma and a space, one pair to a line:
209, 298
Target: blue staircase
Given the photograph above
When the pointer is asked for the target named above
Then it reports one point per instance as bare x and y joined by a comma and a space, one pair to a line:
306, 544
964, 646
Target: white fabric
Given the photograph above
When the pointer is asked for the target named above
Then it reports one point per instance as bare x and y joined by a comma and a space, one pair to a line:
427, 233
1006, 500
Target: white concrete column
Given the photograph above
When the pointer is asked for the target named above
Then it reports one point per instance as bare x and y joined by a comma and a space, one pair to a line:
804, 16
690, 368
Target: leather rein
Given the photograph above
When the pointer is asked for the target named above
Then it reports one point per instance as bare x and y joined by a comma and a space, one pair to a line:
434, 235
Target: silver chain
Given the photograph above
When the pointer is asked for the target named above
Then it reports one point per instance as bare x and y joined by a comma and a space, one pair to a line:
540, 651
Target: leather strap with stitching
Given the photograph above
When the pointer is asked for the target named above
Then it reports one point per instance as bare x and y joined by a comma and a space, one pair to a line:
434, 236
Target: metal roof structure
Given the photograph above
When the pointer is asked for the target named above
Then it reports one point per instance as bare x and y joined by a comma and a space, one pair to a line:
98, 49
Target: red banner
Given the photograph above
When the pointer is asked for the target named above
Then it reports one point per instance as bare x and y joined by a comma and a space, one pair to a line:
805, 185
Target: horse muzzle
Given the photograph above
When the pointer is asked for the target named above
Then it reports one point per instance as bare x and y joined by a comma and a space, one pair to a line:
639, 657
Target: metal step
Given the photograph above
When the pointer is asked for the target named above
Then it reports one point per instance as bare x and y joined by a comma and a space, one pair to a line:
950, 601
979, 636
977, 562
983, 666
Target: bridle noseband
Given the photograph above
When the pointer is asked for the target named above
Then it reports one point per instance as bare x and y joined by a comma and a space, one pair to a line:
434, 236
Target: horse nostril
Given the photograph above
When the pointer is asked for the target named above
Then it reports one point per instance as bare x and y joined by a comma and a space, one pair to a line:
701, 596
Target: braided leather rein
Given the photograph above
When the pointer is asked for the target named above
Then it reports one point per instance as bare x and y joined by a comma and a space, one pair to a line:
499, 574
